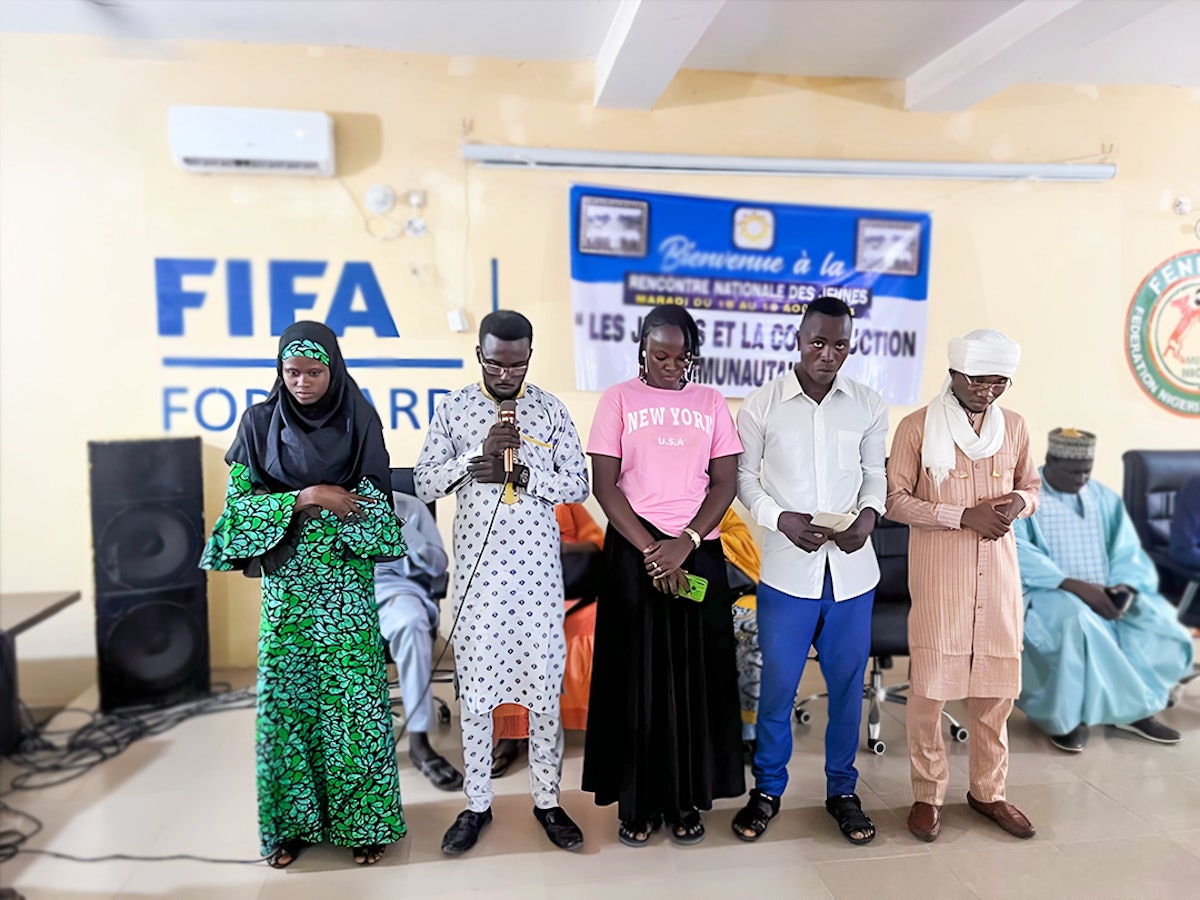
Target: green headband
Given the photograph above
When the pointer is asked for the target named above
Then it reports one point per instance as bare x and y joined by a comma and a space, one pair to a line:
307, 349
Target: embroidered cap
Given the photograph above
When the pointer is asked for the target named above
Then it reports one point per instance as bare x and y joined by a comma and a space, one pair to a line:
1071, 443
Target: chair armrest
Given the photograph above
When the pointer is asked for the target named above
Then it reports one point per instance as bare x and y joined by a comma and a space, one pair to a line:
1163, 561
437, 587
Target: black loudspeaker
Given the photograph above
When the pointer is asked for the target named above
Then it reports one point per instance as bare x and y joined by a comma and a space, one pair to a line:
151, 597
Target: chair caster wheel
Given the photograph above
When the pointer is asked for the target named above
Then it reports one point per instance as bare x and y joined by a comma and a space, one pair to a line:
803, 716
877, 747
444, 715
960, 734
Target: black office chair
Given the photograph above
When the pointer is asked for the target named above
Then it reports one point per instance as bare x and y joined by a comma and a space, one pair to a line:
1152, 479
402, 481
582, 572
889, 635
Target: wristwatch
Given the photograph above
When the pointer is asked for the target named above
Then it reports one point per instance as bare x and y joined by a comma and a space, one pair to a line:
692, 536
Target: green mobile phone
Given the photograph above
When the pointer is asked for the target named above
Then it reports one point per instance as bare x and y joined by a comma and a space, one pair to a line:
696, 588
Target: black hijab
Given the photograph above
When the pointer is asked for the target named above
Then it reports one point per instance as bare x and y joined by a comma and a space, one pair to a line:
337, 440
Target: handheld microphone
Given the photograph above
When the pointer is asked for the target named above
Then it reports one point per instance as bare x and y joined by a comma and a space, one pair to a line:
508, 414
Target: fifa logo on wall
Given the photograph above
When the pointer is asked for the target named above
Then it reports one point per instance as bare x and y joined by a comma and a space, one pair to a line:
213, 380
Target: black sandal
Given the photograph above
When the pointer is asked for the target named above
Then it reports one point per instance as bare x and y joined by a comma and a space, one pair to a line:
368, 855
441, 774
638, 834
504, 754
687, 829
848, 811
290, 848
755, 815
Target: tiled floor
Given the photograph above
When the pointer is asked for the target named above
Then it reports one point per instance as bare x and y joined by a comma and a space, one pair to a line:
1121, 820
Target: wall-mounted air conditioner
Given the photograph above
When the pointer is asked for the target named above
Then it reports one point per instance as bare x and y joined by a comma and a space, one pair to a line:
251, 141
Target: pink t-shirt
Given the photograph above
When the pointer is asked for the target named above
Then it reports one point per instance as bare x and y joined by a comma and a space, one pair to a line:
664, 440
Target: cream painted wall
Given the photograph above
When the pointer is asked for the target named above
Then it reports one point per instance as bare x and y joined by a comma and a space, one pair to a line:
89, 197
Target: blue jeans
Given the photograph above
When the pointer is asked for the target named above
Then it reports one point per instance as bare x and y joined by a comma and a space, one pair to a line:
841, 633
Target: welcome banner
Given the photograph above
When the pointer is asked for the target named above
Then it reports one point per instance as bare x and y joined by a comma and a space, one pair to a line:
746, 271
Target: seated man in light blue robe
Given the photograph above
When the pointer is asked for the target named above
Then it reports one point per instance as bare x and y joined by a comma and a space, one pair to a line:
1102, 646
408, 617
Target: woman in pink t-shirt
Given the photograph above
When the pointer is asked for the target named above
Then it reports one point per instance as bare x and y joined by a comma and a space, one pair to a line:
664, 721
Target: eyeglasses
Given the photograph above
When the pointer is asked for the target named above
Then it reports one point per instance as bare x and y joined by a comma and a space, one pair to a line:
986, 383
498, 371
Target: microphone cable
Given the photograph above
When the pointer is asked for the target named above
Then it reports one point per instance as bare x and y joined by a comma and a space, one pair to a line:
458, 612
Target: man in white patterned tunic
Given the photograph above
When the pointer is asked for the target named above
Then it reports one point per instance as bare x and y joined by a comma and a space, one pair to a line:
508, 643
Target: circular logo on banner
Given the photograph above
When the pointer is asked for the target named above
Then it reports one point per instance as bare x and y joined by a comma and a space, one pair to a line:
1162, 334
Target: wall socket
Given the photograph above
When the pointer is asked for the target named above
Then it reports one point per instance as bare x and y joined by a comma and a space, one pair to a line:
457, 319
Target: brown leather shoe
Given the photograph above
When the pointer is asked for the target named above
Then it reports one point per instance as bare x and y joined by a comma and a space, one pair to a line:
1005, 815
925, 821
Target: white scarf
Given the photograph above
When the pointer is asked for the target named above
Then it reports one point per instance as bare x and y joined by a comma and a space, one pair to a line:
946, 425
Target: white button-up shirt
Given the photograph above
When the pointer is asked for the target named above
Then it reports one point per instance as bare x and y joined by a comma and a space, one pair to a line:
809, 457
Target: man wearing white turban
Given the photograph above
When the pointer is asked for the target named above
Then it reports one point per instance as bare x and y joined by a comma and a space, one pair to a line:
959, 475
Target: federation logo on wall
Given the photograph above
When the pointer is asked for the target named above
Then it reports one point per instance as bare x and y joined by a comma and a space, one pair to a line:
1162, 334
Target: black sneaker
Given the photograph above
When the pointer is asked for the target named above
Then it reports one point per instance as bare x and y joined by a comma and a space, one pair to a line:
462, 835
561, 830
1153, 730
1072, 741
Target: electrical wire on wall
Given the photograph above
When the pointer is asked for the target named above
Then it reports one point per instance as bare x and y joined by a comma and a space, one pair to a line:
378, 201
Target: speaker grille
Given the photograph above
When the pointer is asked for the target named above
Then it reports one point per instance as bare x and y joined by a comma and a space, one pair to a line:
149, 546
156, 646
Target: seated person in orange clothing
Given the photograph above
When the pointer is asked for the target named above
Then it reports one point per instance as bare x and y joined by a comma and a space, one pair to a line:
743, 560
582, 540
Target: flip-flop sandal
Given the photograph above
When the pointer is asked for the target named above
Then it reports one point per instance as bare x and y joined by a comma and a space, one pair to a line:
755, 815
441, 774
850, 818
291, 848
368, 855
687, 829
638, 834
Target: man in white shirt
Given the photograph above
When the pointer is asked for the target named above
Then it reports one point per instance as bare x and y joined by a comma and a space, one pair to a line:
814, 443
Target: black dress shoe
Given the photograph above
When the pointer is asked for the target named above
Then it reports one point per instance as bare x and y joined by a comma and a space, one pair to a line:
1072, 741
1153, 730
462, 835
561, 830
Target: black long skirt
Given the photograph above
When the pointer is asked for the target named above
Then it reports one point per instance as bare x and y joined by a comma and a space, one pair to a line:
664, 730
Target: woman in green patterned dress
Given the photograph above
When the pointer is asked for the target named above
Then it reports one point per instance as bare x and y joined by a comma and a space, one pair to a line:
308, 508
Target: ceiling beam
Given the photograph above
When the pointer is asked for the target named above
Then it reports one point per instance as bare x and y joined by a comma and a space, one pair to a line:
1013, 48
646, 44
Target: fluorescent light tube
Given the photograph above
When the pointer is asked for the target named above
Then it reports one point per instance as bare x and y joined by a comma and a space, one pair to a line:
497, 157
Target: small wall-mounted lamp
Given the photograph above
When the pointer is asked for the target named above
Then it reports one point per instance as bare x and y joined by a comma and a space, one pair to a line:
415, 226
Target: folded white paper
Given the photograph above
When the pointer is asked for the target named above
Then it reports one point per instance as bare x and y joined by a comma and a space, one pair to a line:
834, 521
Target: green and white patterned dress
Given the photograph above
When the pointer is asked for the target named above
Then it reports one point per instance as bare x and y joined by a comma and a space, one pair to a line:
326, 754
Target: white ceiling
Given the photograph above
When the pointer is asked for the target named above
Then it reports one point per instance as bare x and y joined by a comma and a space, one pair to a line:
951, 53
